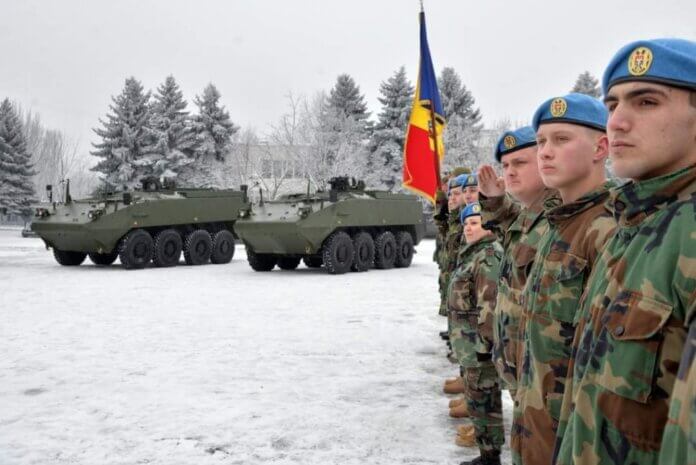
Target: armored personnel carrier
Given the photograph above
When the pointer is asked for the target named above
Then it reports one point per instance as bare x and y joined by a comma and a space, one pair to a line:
153, 224
347, 228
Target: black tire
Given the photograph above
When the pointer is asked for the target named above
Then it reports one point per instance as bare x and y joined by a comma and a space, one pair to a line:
136, 249
261, 262
197, 247
103, 259
364, 248
404, 250
385, 250
288, 263
67, 258
312, 261
168, 245
223, 247
337, 253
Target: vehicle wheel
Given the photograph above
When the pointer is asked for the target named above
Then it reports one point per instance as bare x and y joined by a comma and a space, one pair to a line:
312, 261
260, 261
338, 253
288, 263
103, 259
168, 245
67, 258
404, 250
136, 249
198, 247
364, 247
385, 250
223, 247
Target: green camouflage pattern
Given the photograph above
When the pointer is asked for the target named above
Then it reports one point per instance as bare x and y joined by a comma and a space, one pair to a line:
471, 303
679, 441
485, 405
519, 230
471, 300
631, 333
448, 256
566, 255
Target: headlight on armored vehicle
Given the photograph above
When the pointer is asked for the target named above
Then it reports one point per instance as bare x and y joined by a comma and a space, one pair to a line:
304, 211
41, 212
94, 214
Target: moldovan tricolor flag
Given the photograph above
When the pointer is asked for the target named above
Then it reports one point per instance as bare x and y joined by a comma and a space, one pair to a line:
423, 149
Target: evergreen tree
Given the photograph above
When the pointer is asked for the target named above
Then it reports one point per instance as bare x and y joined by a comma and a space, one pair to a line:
346, 101
464, 126
387, 142
587, 84
171, 130
213, 130
16, 185
126, 138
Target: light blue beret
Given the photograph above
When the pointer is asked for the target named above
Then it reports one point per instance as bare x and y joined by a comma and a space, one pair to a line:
512, 141
664, 61
472, 209
573, 108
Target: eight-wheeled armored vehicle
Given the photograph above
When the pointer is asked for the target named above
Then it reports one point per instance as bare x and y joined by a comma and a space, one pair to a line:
347, 228
155, 223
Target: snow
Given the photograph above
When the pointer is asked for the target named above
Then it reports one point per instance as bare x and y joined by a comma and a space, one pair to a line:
220, 365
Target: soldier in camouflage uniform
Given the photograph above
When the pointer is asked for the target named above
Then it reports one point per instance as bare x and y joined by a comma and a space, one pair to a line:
572, 150
447, 214
642, 291
468, 186
471, 302
519, 226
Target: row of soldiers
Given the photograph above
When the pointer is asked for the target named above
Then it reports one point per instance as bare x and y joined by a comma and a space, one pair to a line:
576, 292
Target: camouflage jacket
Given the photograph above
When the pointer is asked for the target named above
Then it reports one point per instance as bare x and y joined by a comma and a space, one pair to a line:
520, 230
632, 329
451, 243
440, 218
566, 255
471, 299
679, 440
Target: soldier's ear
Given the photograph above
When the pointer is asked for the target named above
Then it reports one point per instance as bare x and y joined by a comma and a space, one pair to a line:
692, 98
601, 148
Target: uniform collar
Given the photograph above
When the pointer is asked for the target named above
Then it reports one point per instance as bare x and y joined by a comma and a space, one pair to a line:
530, 215
633, 202
558, 213
481, 243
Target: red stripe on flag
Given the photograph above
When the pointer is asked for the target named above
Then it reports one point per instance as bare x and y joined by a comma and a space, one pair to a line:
419, 160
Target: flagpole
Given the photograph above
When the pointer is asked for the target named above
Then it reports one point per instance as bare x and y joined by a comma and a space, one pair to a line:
433, 130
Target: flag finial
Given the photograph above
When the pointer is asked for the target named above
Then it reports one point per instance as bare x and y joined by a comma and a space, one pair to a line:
421, 3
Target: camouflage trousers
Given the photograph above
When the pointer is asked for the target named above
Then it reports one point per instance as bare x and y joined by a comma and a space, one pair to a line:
443, 285
485, 405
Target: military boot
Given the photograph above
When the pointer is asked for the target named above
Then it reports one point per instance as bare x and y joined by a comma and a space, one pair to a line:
456, 387
466, 436
486, 458
456, 402
444, 335
460, 411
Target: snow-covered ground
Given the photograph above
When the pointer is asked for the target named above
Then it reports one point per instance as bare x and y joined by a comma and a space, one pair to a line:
220, 365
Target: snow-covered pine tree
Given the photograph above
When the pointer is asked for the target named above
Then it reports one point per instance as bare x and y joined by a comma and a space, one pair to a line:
16, 184
464, 126
213, 130
126, 139
171, 130
346, 100
387, 142
587, 84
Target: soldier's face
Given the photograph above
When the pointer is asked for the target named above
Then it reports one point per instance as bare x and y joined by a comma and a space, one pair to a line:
651, 129
454, 197
473, 230
567, 153
469, 195
521, 174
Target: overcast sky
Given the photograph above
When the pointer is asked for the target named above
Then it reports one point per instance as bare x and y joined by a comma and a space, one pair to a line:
65, 59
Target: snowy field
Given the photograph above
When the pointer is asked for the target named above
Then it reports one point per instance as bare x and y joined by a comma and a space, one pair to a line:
220, 365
